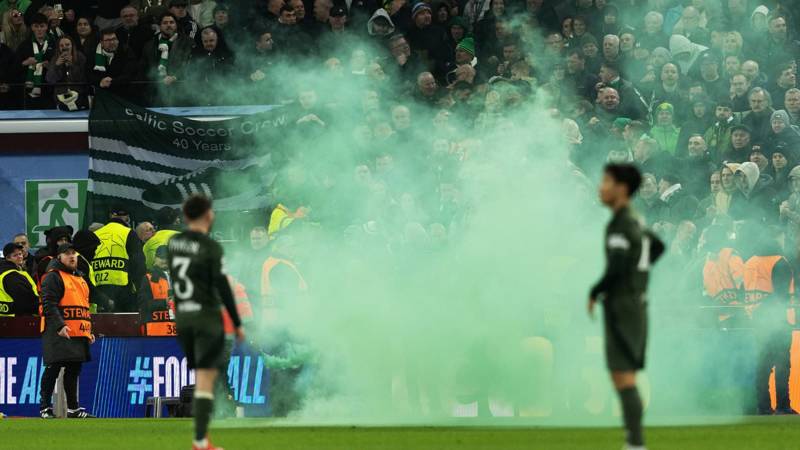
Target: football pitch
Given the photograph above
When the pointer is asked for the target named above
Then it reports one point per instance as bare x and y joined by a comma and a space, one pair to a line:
769, 433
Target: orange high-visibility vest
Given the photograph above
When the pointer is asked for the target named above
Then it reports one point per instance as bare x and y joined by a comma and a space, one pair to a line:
74, 305
758, 280
159, 323
243, 306
271, 263
722, 279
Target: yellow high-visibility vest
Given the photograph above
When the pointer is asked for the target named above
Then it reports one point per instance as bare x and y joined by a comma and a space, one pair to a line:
5, 299
111, 260
161, 237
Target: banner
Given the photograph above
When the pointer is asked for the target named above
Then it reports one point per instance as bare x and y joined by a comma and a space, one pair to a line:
53, 203
147, 160
123, 373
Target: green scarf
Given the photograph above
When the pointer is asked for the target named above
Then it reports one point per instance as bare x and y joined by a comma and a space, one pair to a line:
35, 75
102, 58
164, 45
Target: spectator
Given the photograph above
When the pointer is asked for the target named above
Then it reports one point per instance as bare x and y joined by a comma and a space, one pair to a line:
156, 306
790, 208
203, 13
779, 47
145, 231
689, 26
67, 74
30, 261
664, 131
792, 103
19, 5
679, 205
684, 52
783, 160
785, 79
782, 133
209, 65
647, 202
380, 24
14, 30
653, 35
632, 105
650, 158
185, 23
752, 71
108, 13
18, 294
669, 89
696, 167
760, 114
166, 55
114, 66
85, 37
132, 34
754, 197
718, 136
740, 86
713, 84
66, 337
33, 58
722, 200
706, 209
426, 38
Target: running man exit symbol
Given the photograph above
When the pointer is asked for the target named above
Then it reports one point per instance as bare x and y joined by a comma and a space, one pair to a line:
53, 203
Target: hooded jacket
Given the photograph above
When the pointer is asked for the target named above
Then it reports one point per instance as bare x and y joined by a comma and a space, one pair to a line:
371, 22
45, 254
681, 45
757, 202
25, 298
86, 243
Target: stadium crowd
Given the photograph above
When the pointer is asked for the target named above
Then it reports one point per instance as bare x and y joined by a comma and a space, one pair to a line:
701, 95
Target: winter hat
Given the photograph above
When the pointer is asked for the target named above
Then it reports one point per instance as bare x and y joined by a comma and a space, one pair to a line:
221, 7
588, 39
458, 21
10, 248
666, 107
661, 52
621, 122
781, 115
468, 45
419, 7
86, 243
761, 9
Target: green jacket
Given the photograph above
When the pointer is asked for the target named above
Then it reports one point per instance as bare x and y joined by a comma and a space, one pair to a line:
667, 137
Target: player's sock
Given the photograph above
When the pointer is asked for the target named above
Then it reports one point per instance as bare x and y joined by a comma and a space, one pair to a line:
203, 405
632, 412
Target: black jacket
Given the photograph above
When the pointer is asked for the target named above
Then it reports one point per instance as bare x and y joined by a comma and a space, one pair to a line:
25, 301
56, 349
122, 70
133, 39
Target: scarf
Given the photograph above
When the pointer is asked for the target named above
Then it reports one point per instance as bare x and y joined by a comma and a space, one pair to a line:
102, 58
54, 34
163, 49
34, 77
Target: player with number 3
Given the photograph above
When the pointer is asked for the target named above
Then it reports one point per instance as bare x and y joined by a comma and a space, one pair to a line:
199, 288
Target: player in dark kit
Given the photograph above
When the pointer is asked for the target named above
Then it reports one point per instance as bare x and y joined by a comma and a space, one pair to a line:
200, 287
630, 250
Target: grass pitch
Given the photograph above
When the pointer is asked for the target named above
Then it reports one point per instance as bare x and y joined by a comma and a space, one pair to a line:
771, 433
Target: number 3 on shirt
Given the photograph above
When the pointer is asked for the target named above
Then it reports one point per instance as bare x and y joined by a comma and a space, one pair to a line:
183, 286
644, 259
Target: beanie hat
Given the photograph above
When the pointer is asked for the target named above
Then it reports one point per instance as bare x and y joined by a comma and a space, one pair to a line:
419, 7
10, 248
781, 115
467, 44
666, 107
621, 122
458, 21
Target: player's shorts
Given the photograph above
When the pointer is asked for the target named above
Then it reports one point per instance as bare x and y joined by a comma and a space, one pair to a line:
203, 341
626, 340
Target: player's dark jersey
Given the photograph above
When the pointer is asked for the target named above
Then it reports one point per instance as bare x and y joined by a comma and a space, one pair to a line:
195, 264
630, 250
